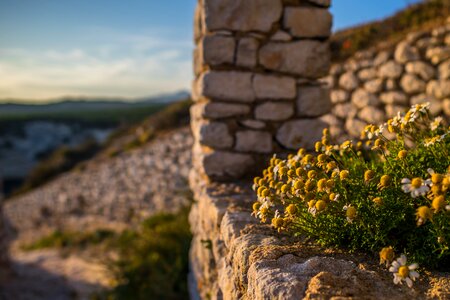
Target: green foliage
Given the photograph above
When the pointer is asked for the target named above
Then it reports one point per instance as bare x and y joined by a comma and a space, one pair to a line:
389, 189
64, 239
345, 43
153, 260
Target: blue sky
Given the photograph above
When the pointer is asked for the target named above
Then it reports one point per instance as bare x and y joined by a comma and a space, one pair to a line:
54, 48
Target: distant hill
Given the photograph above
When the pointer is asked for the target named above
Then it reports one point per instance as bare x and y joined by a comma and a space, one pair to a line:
97, 110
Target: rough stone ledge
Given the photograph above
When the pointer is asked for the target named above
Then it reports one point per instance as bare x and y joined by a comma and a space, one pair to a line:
235, 257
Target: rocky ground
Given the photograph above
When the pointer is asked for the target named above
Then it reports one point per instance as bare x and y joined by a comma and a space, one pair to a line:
112, 193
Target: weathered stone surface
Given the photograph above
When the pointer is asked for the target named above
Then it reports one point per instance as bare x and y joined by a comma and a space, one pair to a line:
439, 88
339, 96
212, 134
361, 98
307, 22
367, 74
271, 111
296, 57
300, 133
446, 107
217, 110
246, 55
438, 54
313, 101
274, 87
254, 124
411, 84
198, 23
348, 81
423, 69
404, 53
381, 58
354, 127
218, 49
227, 85
395, 97
391, 85
242, 15
221, 165
390, 69
345, 110
374, 86
254, 141
444, 70
281, 36
371, 115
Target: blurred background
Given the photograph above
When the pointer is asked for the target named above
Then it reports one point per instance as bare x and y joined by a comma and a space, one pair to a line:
94, 106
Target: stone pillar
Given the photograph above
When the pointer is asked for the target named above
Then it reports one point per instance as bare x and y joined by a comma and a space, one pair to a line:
256, 88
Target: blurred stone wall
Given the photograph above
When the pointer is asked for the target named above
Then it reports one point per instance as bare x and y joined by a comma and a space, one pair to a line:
4, 258
256, 88
374, 85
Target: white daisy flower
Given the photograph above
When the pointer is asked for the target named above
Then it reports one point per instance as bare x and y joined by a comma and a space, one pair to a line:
402, 272
417, 187
435, 124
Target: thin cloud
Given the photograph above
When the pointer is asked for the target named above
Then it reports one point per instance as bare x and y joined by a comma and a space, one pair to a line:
119, 65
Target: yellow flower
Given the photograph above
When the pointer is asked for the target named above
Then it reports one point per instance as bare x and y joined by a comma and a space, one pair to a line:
386, 255
438, 203
312, 174
318, 146
331, 166
378, 201
385, 181
423, 214
321, 185
402, 154
369, 175
291, 209
344, 174
350, 213
256, 206
320, 205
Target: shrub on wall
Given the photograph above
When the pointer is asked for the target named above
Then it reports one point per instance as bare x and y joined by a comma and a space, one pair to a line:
386, 193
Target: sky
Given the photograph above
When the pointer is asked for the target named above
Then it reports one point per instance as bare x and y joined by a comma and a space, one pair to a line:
115, 48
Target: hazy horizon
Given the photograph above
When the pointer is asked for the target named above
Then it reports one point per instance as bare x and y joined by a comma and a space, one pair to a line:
52, 49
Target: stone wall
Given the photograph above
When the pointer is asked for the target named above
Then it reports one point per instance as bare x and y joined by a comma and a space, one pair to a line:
233, 256
4, 258
256, 87
375, 85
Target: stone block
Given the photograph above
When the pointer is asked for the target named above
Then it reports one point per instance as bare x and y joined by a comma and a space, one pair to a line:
411, 84
227, 86
371, 115
344, 110
274, 111
242, 15
439, 89
374, 86
254, 124
223, 165
390, 69
307, 22
354, 127
274, 87
404, 53
422, 69
218, 49
394, 97
339, 96
300, 133
313, 101
361, 98
213, 134
296, 58
218, 110
254, 141
246, 55
348, 81
281, 36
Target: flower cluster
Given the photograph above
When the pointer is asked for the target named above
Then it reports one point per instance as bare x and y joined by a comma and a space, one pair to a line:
388, 188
